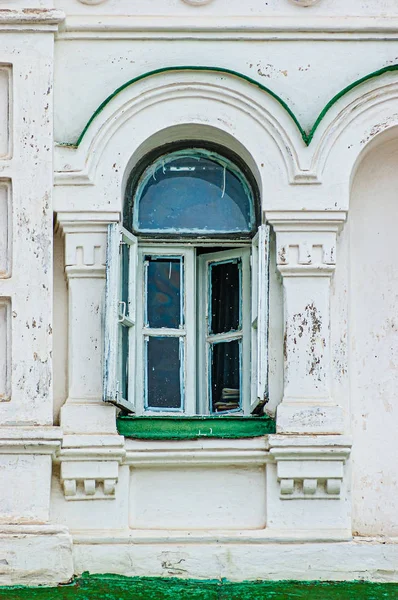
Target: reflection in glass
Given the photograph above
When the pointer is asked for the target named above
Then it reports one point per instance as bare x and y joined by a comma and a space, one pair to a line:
225, 296
193, 191
225, 376
163, 373
125, 266
124, 361
163, 290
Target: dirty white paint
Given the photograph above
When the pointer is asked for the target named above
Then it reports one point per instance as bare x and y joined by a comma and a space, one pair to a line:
281, 507
373, 349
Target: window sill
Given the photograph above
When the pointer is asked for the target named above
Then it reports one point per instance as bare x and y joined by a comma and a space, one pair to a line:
189, 428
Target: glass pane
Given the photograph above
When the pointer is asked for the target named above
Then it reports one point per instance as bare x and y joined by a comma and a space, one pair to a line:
124, 331
193, 191
125, 264
164, 292
225, 376
225, 296
163, 373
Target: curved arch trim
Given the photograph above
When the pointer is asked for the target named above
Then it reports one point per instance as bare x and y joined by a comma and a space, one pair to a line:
306, 136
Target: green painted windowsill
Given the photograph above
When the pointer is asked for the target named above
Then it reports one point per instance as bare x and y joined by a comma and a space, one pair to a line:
190, 428
117, 587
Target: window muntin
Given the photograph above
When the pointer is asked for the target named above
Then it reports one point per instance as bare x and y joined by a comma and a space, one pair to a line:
193, 191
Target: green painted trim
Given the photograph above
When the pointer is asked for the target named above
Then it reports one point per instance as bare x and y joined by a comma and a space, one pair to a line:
342, 93
117, 587
306, 136
188, 68
189, 428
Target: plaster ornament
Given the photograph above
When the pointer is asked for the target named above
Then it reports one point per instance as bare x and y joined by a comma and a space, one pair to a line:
197, 2
303, 2
92, 2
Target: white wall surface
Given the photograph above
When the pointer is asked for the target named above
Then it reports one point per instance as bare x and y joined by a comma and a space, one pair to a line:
372, 230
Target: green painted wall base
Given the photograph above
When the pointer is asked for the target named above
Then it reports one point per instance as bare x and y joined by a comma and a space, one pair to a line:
188, 428
116, 587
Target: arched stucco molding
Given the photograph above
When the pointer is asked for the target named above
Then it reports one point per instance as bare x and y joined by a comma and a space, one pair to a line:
343, 139
237, 108
222, 101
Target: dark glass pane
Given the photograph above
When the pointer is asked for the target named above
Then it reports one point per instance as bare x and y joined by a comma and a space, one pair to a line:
194, 192
163, 292
163, 373
124, 361
225, 296
225, 376
125, 274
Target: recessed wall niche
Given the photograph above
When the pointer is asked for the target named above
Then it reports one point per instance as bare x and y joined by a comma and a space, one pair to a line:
5, 110
5, 229
5, 384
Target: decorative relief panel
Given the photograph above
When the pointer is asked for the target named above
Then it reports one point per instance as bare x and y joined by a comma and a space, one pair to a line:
5, 111
5, 311
89, 480
5, 231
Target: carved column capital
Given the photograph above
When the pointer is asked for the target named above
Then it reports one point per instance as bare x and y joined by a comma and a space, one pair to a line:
85, 242
306, 242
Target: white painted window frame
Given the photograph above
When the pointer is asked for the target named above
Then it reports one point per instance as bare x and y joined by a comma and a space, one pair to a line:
204, 339
255, 316
187, 330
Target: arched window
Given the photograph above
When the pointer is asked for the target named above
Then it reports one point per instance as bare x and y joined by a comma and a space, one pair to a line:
187, 279
191, 191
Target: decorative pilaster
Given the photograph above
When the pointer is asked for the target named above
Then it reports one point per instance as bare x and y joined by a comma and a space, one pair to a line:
306, 259
91, 450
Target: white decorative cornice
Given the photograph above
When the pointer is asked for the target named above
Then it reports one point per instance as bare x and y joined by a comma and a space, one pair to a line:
197, 453
32, 19
30, 440
215, 27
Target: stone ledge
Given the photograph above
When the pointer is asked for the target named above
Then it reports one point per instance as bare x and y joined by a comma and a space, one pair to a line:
35, 555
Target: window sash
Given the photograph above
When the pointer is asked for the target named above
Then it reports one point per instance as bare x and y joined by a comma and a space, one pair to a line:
260, 319
207, 339
119, 315
186, 331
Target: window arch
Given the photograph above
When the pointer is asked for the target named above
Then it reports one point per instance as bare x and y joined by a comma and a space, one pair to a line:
192, 189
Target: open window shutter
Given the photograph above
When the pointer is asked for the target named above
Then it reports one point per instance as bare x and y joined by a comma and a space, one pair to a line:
260, 311
119, 317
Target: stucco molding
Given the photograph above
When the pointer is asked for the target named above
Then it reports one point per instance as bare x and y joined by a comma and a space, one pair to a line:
302, 25
85, 242
31, 19
30, 440
339, 135
207, 453
306, 242
171, 93
306, 258
90, 466
310, 467
304, 3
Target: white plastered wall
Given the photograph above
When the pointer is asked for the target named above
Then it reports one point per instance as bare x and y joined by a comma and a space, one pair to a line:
373, 337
